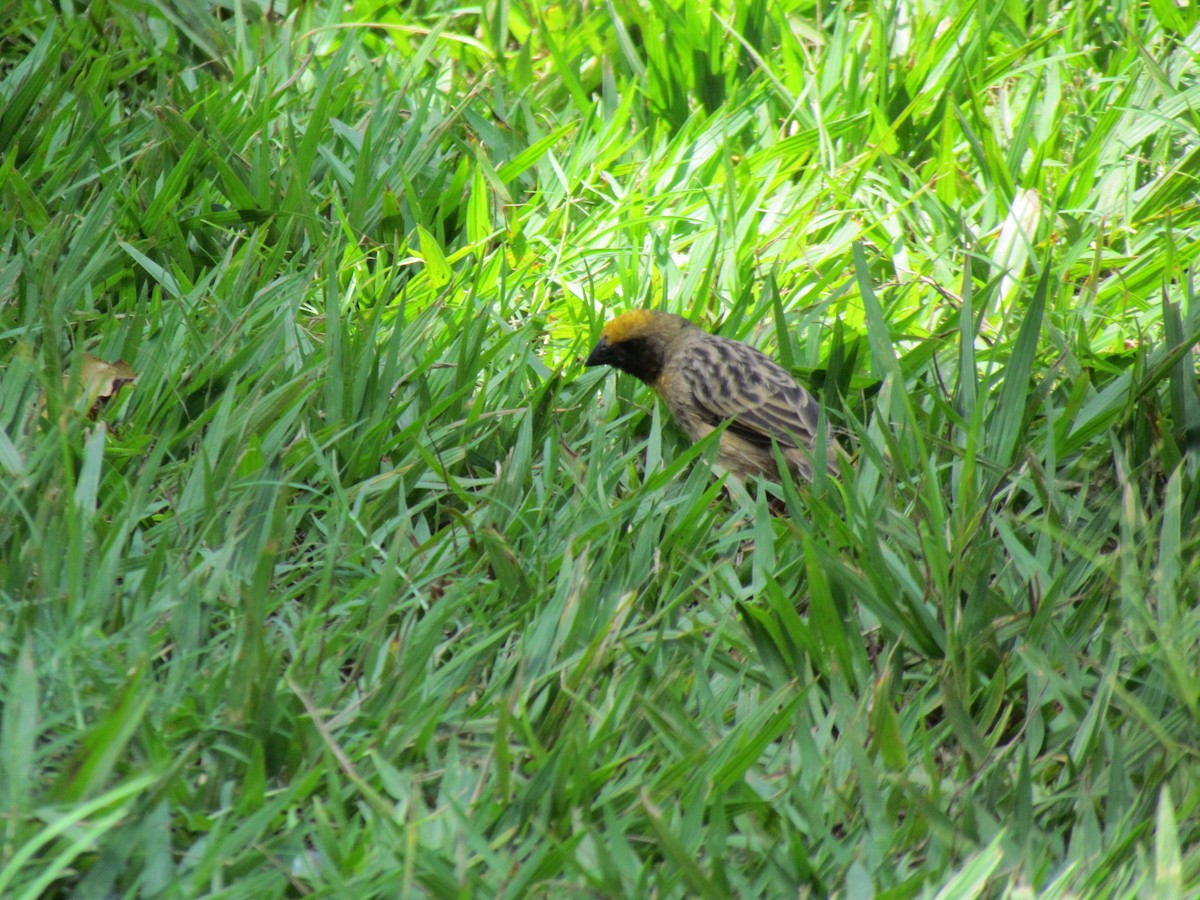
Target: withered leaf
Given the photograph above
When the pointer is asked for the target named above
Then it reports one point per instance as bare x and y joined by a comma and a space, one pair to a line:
100, 381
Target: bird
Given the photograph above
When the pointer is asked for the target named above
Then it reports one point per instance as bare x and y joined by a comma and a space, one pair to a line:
707, 380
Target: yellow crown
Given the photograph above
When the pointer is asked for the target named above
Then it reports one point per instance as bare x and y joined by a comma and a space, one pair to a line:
634, 323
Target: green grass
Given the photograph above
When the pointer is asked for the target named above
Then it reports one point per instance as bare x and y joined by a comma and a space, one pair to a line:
366, 588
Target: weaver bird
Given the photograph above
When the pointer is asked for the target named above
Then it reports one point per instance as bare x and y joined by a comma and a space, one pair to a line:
706, 379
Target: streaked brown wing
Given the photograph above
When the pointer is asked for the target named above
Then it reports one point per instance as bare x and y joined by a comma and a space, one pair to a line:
736, 382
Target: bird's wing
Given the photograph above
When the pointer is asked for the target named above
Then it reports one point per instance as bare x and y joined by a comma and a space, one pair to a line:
733, 381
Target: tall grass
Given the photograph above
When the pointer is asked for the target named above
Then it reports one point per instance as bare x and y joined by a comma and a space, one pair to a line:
366, 588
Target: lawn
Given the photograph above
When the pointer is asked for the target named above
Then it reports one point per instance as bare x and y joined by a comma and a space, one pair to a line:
353, 582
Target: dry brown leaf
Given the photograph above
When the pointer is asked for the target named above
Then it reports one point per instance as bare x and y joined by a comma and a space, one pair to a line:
100, 381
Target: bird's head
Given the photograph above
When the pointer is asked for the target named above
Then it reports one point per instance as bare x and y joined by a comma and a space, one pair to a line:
638, 342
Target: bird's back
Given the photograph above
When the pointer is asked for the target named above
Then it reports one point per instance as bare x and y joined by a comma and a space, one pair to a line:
709, 379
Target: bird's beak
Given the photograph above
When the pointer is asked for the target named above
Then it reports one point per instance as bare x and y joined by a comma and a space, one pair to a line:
600, 354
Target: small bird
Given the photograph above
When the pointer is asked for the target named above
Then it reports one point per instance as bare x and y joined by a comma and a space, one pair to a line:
706, 379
